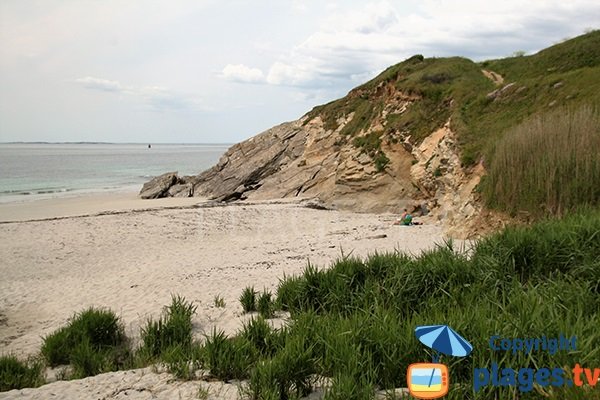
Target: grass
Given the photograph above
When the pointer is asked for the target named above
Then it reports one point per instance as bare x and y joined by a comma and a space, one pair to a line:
228, 358
354, 322
183, 361
219, 302
548, 165
16, 374
248, 299
92, 342
172, 329
265, 304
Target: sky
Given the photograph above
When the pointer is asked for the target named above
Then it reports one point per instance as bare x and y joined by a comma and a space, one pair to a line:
203, 71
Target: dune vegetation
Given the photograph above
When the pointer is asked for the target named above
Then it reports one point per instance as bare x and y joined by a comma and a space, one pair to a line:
548, 165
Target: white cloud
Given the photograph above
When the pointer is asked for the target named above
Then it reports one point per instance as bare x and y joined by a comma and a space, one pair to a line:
242, 73
353, 46
100, 84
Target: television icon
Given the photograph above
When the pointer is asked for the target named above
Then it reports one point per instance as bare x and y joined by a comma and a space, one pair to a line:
427, 380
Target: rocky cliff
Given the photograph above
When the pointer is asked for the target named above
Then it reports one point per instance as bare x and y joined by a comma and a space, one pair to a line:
365, 171
363, 152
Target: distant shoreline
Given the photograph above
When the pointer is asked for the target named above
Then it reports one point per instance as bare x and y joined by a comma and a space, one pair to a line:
127, 143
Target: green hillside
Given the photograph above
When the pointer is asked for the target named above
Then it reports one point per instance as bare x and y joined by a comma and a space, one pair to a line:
563, 77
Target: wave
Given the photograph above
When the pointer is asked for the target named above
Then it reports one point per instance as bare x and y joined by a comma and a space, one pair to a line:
26, 192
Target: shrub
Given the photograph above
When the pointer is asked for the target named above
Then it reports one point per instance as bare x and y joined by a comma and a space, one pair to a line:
248, 299
381, 161
15, 374
93, 341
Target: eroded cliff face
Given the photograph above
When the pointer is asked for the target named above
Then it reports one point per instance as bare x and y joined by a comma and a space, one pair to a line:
449, 189
303, 159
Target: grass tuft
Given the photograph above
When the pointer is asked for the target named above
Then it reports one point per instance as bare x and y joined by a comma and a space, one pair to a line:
16, 374
248, 299
228, 358
94, 341
173, 328
265, 304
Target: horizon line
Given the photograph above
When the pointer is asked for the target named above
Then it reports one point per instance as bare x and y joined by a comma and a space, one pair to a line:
142, 143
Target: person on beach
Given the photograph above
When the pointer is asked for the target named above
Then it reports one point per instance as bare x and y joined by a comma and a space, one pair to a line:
406, 219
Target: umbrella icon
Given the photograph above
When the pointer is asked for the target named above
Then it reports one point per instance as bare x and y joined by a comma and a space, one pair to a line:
443, 339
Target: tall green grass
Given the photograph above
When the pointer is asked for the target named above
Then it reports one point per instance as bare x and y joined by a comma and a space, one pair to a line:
92, 342
172, 329
548, 165
16, 374
354, 322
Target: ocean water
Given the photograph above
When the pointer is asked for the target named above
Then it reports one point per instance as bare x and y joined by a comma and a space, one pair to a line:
32, 171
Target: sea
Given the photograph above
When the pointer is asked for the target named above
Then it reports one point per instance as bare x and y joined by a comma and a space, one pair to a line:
30, 171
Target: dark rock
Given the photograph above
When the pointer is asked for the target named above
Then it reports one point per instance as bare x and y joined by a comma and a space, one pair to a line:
246, 164
316, 204
159, 186
181, 190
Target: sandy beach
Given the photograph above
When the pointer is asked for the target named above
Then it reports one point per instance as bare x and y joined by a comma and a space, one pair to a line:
61, 256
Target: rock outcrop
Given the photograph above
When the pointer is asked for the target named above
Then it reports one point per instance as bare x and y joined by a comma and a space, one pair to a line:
305, 159
158, 186
168, 185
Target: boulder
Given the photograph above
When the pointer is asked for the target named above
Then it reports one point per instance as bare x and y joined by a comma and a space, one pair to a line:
159, 186
181, 190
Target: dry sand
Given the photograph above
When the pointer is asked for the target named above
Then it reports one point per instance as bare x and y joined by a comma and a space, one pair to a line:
131, 255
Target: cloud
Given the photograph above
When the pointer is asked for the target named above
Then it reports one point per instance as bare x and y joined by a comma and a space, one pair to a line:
155, 98
354, 45
242, 73
100, 84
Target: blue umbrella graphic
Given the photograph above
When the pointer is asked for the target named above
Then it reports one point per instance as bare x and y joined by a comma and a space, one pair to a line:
443, 339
